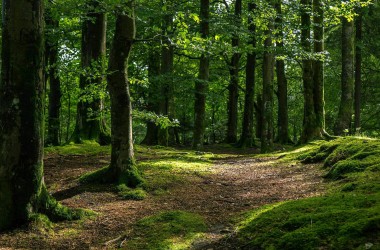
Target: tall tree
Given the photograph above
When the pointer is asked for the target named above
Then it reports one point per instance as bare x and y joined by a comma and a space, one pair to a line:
233, 87
343, 121
90, 125
358, 69
201, 83
309, 130
247, 136
267, 99
282, 84
52, 56
22, 188
122, 168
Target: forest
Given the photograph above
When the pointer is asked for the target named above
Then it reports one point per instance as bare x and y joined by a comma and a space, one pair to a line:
162, 124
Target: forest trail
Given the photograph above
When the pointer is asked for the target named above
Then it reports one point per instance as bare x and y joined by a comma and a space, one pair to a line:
233, 185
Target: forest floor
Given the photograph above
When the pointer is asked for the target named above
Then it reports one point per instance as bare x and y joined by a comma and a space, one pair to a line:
223, 186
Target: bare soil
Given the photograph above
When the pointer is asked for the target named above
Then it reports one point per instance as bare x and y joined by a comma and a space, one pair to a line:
236, 185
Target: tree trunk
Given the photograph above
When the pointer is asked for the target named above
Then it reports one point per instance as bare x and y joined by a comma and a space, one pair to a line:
166, 135
247, 137
233, 88
309, 130
282, 85
151, 137
122, 166
358, 71
90, 125
267, 100
343, 121
202, 83
52, 55
22, 189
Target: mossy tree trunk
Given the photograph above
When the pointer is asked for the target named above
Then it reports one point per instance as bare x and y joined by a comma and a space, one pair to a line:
233, 87
122, 166
247, 136
90, 125
267, 99
344, 118
358, 69
55, 94
22, 189
201, 83
282, 84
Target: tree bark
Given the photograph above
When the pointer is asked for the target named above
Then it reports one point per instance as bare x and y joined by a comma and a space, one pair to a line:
358, 71
166, 135
247, 137
55, 94
309, 130
90, 125
282, 84
122, 166
201, 84
343, 121
233, 87
267, 99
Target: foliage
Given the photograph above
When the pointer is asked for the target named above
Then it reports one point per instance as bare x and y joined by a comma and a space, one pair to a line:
167, 230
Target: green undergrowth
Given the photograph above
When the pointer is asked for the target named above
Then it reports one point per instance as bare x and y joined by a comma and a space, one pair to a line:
167, 231
346, 217
87, 148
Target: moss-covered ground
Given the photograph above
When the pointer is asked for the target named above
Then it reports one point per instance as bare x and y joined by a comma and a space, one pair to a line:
346, 217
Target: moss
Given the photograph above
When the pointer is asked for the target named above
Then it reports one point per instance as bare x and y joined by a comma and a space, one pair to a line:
40, 222
85, 148
131, 194
334, 222
57, 212
167, 230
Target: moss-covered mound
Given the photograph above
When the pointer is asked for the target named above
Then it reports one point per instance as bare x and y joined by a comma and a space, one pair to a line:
347, 217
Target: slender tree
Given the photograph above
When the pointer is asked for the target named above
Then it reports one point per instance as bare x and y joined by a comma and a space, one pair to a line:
309, 130
267, 99
344, 118
282, 84
201, 83
233, 87
247, 136
122, 168
22, 189
52, 74
90, 125
358, 69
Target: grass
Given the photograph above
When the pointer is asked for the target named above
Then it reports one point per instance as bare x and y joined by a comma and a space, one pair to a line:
167, 231
347, 217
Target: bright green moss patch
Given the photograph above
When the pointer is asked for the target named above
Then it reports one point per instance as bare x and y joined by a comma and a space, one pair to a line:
131, 194
85, 148
167, 230
336, 222
344, 155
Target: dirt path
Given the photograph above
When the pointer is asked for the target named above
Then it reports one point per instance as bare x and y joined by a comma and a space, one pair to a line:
236, 185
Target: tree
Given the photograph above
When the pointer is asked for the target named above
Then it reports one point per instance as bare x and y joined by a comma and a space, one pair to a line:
282, 84
201, 83
122, 168
233, 87
52, 56
267, 99
344, 118
22, 189
90, 124
247, 137
358, 69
